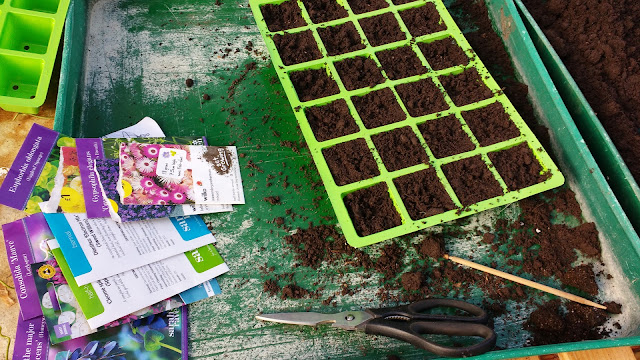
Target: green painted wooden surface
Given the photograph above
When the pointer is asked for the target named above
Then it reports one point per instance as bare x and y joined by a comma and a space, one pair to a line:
126, 59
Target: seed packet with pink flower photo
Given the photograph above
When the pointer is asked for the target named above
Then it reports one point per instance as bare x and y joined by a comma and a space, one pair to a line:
169, 174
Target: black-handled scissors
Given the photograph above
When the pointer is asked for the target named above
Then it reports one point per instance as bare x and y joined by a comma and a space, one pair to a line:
408, 323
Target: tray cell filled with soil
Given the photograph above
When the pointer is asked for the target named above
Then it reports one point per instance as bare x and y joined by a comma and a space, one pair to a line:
313, 84
423, 194
422, 97
363, 6
466, 87
518, 166
324, 10
377, 113
399, 148
372, 210
331, 121
443, 54
423, 20
283, 16
445, 136
341, 39
378, 108
295, 48
350, 162
471, 180
382, 29
359, 72
400, 63
491, 124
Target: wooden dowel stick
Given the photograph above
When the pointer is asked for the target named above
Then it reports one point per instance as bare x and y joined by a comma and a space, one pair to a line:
526, 282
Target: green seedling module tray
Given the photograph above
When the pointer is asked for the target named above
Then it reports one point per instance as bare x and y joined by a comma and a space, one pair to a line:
337, 192
30, 32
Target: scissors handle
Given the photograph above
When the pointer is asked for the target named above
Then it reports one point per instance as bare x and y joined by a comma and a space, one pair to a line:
409, 322
415, 311
411, 332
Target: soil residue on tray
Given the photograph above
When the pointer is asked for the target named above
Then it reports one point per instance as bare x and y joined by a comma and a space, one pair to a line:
378, 108
350, 162
400, 63
422, 194
324, 10
443, 54
422, 97
341, 38
331, 121
371, 210
359, 72
297, 47
423, 20
445, 136
518, 167
399, 148
313, 84
382, 29
286, 15
599, 42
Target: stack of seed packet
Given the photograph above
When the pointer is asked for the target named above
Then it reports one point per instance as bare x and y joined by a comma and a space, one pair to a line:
114, 248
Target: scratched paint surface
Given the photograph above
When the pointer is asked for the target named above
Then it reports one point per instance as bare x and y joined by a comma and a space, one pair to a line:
138, 56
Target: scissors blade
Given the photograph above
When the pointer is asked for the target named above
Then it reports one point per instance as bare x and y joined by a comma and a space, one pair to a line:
347, 320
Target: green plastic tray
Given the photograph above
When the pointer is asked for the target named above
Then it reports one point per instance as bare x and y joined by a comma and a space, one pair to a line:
30, 33
604, 151
121, 34
336, 192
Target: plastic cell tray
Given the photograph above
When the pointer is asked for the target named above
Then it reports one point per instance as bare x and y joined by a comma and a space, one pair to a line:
318, 146
30, 33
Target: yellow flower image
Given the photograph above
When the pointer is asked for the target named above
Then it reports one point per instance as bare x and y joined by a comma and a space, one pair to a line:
71, 201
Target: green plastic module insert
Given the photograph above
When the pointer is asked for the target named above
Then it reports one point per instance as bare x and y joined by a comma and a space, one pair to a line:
400, 74
30, 32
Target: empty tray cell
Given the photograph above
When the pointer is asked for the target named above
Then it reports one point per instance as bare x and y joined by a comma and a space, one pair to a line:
341, 38
372, 210
422, 97
359, 72
350, 162
466, 87
313, 84
48, 6
444, 53
399, 149
297, 48
400, 2
471, 180
491, 124
423, 194
445, 136
400, 63
518, 167
382, 29
324, 10
331, 120
423, 20
378, 108
283, 16
26, 33
363, 6
19, 77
